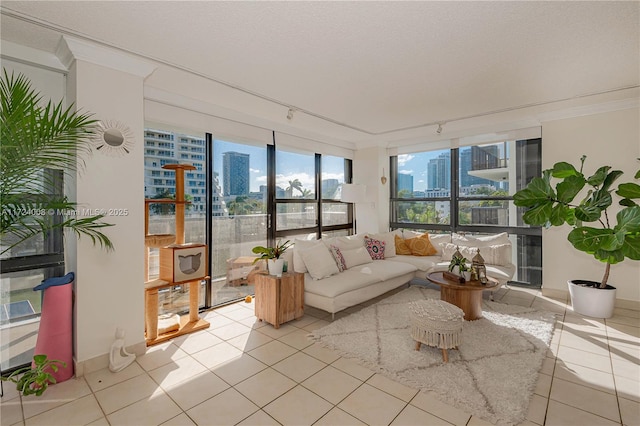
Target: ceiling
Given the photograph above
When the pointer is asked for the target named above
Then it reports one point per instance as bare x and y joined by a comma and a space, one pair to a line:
365, 72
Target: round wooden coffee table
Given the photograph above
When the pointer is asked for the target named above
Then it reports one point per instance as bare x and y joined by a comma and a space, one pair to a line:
466, 296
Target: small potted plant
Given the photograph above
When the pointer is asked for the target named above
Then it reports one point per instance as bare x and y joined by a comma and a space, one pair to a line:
272, 256
610, 242
37, 377
460, 262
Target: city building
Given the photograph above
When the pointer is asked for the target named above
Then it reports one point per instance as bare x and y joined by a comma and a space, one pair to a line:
235, 173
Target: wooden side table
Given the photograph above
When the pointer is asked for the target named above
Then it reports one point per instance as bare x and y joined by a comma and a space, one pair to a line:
279, 299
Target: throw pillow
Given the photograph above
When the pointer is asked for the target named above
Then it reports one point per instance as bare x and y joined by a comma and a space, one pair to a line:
375, 248
339, 258
401, 246
388, 238
319, 261
421, 246
355, 257
499, 254
299, 245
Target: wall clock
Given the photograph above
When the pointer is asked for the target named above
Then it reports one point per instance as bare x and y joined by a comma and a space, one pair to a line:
113, 138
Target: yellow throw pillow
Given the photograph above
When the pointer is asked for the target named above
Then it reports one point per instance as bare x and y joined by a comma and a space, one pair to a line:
401, 246
421, 246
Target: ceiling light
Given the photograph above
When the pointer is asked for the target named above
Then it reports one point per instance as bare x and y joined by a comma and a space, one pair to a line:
290, 114
439, 128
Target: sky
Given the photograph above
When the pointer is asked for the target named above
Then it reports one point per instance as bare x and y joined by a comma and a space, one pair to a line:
289, 166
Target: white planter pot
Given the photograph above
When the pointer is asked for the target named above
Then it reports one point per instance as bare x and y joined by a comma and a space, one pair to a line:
275, 266
590, 300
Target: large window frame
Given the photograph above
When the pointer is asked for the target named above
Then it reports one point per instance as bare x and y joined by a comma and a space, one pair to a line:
520, 230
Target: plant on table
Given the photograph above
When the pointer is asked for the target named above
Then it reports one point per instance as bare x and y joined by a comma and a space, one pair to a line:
271, 252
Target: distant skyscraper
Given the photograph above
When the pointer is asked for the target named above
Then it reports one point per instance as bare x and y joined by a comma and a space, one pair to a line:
163, 147
235, 173
439, 172
477, 158
405, 182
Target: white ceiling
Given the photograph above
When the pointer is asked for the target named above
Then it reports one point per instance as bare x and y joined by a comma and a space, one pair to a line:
365, 72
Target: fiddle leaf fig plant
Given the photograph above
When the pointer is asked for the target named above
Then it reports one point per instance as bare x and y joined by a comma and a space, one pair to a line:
551, 201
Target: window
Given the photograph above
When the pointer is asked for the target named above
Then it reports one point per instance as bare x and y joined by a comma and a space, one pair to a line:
299, 179
470, 189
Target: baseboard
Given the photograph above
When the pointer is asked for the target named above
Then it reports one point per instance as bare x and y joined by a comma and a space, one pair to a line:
628, 304
102, 361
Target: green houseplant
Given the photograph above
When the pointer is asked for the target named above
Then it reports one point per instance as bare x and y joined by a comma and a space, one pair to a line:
272, 256
551, 201
35, 139
36, 378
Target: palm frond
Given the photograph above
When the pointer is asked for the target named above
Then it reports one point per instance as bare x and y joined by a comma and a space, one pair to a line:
34, 138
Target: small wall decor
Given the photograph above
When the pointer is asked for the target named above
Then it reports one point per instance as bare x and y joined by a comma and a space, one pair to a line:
113, 138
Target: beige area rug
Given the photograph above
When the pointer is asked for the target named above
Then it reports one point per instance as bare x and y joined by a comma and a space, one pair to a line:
492, 375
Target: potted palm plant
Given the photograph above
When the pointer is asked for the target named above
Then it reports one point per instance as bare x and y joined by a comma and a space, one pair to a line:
36, 139
272, 256
613, 238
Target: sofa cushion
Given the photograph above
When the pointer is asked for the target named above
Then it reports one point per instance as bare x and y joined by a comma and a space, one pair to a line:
335, 285
499, 254
355, 257
376, 248
421, 246
388, 269
389, 239
423, 263
402, 248
345, 243
298, 246
435, 239
339, 258
482, 241
319, 261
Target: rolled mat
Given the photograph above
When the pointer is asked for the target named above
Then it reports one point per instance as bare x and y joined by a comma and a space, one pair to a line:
56, 324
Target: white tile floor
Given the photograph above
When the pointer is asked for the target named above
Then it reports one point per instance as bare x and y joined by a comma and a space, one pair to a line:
241, 371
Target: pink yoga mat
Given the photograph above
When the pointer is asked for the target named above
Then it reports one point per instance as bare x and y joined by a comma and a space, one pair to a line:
56, 333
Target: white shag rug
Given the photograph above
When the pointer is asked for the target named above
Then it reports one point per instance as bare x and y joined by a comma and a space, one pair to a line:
492, 375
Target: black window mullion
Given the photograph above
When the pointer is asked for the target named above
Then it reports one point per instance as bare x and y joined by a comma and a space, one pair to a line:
271, 192
318, 164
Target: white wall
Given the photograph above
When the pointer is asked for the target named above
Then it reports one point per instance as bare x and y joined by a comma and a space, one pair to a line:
613, 139
373, 215
109, 285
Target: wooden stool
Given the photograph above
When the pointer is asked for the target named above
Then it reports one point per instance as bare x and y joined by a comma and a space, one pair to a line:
436, 323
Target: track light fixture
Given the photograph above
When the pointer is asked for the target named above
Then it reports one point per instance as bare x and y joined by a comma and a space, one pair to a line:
290, 114
439, 128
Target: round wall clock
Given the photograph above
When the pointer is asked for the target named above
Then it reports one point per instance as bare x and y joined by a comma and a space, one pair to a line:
113, 138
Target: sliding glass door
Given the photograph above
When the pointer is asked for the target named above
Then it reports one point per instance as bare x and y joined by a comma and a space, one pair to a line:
239, 220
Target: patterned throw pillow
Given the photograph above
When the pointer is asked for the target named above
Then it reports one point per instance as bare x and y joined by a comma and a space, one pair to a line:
339, 258
375, 248
421, 246
401, 246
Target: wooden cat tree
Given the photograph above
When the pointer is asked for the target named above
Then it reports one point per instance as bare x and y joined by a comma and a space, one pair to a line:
172, 251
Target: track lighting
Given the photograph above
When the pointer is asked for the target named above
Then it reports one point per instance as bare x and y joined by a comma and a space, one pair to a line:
439, 128
290, 114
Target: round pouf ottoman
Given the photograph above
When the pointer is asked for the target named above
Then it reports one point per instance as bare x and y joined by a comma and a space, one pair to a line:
436, 323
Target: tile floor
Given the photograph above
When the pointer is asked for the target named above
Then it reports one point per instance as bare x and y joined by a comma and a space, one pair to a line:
241, 371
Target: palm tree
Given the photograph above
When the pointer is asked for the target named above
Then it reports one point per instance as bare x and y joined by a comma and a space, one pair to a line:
294, 184
35, 140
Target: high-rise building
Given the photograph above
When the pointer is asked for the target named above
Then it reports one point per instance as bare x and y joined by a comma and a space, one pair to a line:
235, 173
439, 172
164, 147
405, 182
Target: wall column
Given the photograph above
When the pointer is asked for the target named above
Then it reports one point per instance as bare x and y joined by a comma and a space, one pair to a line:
109, 291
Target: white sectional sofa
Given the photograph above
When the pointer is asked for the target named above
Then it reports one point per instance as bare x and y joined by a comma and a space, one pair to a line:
339, 272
